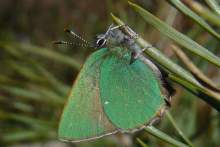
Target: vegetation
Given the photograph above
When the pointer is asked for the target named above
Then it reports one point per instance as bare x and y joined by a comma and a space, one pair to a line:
35, 76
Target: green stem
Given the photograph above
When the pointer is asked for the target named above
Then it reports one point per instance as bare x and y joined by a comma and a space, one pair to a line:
160, 135
141, 143
169, 116
192, 15
203, 11
214, 5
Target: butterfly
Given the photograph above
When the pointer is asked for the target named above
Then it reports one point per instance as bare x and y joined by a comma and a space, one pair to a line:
117, 90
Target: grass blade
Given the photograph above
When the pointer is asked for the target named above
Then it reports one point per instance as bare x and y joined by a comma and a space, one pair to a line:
37, 95
158, 134
178, 37
203, 12
15, 136
169, 116
141, 142
58, 85
212, 98
205, 81
185, 10
214, 5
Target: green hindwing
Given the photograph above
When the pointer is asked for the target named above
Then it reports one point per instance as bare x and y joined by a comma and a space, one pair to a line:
110, 94
83, 116
130, 93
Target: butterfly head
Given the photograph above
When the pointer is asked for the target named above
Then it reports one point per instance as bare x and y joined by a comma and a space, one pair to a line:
106, 38
101, 40
112, 37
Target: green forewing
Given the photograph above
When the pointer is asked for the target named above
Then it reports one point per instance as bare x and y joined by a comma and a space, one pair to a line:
83, 115
130, 93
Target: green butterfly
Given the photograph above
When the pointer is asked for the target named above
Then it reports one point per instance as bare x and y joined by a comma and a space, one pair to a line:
117, 89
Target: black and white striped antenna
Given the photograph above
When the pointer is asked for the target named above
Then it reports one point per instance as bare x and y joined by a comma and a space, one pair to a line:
82, 43
101, 39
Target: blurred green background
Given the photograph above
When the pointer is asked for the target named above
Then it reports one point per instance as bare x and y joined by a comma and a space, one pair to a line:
36, 76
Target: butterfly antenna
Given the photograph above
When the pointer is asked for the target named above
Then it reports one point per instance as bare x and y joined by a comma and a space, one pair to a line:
76, 36
62, 42
70, 43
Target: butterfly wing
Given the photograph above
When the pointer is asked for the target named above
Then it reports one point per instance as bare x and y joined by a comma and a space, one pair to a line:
130, 93
83, 117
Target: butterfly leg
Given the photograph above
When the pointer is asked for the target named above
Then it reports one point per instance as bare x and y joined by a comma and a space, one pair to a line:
125, 29
112, 27
129, 32
136, 54
116, 27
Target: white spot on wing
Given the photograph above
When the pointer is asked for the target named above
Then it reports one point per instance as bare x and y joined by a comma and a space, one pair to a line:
106, 102
139, 101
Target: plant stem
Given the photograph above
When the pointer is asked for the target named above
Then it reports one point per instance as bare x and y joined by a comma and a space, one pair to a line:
158, 134
169, 116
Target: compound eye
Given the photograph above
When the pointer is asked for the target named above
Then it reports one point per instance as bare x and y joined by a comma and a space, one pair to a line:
101, 42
